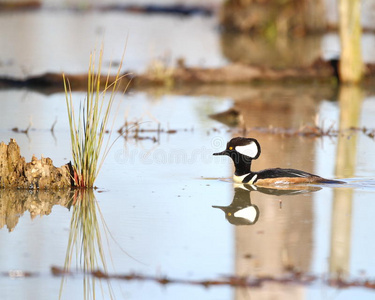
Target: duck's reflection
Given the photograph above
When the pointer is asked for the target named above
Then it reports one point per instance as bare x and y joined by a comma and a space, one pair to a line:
242, 212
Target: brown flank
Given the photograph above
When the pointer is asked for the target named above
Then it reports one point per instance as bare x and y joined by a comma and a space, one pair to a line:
289, 180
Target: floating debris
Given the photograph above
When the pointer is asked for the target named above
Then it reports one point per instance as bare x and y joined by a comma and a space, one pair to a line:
230, 117
291, 276
25, 131
309, 131
18, 274
133, 130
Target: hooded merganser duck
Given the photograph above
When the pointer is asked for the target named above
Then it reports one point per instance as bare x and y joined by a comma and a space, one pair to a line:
243, 150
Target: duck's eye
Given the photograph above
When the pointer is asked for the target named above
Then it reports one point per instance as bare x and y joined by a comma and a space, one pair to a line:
231, 148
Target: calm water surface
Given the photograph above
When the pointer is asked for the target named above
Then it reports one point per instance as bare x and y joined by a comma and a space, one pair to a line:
157, 202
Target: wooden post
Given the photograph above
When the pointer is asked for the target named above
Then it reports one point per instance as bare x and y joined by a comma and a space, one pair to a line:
351, 65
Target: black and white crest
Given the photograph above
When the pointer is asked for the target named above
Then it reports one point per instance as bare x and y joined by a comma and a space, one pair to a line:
245, 146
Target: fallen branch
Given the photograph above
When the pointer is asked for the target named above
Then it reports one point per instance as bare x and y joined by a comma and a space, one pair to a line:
291, 277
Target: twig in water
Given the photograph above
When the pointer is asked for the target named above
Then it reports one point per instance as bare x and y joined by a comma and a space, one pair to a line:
53, 126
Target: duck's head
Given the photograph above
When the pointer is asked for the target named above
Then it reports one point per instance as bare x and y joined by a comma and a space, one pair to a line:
241, 149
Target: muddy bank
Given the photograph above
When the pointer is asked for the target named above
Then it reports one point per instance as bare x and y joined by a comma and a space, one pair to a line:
319, 71
273, 17
174, 9
230, 74
20, 6
15, 172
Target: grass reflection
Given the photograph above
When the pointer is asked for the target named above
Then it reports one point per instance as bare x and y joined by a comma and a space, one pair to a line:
85, 243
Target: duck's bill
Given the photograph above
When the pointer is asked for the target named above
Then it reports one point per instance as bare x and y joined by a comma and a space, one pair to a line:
221, 153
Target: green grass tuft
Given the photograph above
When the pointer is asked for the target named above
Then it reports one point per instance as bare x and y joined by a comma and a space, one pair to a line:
87, 131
